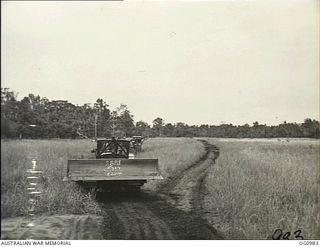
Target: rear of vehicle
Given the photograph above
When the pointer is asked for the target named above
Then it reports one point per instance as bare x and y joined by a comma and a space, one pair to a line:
112, 170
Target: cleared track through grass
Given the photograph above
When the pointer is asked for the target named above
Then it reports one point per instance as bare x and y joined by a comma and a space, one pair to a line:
174, 212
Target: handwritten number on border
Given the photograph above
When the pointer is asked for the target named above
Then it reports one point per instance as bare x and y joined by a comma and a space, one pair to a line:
278, 234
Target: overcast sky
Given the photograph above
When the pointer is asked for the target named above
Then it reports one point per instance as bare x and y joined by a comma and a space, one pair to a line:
194, 62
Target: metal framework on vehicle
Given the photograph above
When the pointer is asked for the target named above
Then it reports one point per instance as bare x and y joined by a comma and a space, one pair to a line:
112, 148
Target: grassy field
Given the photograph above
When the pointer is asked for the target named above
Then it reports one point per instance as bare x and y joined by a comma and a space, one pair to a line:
52, 155
257, 186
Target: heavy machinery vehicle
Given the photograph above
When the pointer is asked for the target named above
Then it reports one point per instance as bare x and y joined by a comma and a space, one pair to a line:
113, 169
136, 143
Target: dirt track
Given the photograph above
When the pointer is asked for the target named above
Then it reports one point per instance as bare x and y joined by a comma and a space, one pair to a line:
174, 212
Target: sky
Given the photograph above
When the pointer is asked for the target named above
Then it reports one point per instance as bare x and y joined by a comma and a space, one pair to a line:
204, 62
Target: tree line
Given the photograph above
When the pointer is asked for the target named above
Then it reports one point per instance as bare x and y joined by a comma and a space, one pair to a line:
38, 117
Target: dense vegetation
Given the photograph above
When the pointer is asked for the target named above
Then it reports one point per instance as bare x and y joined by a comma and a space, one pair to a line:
37, 117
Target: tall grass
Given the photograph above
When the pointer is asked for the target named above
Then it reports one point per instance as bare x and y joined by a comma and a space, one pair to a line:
51, 156
257, 187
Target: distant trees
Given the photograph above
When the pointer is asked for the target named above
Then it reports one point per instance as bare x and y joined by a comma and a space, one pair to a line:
143, 129
36, 117
157, 126
102, 113
125, 122
9, 113
310, 128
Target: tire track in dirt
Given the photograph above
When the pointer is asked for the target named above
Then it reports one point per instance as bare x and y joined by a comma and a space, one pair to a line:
187, 189
199, 190
174, 212
131, 218
173, 182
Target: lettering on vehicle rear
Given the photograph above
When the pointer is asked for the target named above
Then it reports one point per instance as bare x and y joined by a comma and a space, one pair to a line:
113, 168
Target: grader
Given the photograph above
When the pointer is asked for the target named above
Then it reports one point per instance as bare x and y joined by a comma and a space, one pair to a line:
113, 169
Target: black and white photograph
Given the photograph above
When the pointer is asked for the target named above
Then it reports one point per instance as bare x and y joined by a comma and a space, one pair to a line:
160, 120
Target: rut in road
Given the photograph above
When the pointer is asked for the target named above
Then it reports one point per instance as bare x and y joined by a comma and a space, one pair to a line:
176, 214
186, 190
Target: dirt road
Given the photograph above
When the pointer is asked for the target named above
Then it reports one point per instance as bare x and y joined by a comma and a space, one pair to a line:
174, 212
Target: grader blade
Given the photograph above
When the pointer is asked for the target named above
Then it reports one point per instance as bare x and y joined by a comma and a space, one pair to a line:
89, 170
